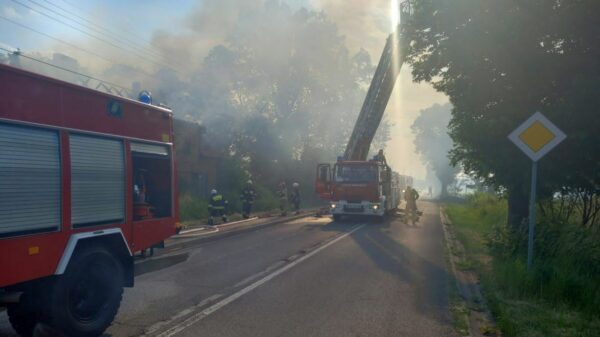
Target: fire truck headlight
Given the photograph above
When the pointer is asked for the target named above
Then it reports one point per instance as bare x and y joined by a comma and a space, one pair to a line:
333, 206
375, 207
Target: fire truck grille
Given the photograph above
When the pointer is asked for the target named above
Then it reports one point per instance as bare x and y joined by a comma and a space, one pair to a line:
354, 208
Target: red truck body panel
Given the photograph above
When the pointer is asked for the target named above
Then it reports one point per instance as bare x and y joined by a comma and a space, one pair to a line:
34, 100
356, 191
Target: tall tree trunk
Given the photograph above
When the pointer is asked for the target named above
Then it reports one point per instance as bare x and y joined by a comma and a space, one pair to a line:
518, 208
444, 191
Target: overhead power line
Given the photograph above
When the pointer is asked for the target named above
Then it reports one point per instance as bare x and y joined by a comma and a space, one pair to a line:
101, 82
70, 44
101, 30
92, 35
130, 30
148, 45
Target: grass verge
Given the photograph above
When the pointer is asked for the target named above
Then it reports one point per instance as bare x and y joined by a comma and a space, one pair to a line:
523, 304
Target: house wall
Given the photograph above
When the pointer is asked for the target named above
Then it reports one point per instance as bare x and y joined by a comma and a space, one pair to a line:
196, 166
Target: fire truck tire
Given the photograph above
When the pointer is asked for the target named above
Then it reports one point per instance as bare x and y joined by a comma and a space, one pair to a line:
22, 318
85, 300
337, 217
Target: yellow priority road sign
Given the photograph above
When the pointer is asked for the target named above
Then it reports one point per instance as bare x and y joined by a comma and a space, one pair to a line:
537, 136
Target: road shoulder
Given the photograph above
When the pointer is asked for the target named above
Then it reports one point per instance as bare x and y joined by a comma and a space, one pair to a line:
470, 310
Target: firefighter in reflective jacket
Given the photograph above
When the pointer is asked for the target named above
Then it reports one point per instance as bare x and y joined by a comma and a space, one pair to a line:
248, 196
411, 196
216, 207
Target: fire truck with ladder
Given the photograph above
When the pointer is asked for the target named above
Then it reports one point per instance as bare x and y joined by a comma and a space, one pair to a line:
355, 185
87, 179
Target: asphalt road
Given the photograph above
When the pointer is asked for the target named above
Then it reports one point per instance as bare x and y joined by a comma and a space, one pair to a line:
308, 277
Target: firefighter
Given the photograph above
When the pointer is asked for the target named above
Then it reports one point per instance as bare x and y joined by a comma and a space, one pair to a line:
295, 197
411, 196
283, 197
248, 196
380, 157
217, 207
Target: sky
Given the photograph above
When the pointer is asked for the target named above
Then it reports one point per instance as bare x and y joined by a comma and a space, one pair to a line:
144, 25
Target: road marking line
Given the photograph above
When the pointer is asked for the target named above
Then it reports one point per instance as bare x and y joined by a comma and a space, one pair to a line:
157, 326
251, 278
206, 312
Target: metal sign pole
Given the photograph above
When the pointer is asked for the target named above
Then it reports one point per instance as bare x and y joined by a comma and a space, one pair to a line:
534, 166
535, 137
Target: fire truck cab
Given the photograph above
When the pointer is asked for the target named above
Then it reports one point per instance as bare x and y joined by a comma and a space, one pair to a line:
358, 188
87, 179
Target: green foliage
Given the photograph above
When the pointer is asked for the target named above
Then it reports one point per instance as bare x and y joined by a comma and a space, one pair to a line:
232, 179
192, 208
278, 96
267, 199
433, 143
559, 297
478, 217
501, 61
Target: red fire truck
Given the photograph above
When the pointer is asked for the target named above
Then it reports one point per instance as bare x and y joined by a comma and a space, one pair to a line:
87, 179
357, 185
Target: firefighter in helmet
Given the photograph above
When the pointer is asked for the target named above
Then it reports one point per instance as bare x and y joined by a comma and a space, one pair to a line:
283, 197
217, 207
248, 196
380, 157
411, 196
295, 197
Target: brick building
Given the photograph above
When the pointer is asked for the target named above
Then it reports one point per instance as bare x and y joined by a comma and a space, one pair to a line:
196, 164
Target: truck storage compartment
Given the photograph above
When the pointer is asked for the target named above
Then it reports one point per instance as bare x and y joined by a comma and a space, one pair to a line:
30, 197
152, 170
97, 181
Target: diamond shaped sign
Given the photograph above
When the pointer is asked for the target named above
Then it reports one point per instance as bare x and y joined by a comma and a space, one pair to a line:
537, 136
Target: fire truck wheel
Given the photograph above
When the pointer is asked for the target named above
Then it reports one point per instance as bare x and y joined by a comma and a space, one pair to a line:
22, 317
337, 217
85, 300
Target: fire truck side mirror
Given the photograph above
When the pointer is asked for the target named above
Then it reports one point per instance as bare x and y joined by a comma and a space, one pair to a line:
323, 180
324, 173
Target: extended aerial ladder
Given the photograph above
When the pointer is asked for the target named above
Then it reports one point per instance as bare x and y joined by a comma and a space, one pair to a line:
380, 90
355, 185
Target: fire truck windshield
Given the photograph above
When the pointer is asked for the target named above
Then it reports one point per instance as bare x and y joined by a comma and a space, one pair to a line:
355, 173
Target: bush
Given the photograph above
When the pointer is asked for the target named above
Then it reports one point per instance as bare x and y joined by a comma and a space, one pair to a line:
565, 270
192, 208
267, 200
561, 292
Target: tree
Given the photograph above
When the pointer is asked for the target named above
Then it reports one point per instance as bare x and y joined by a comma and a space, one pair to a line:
433, 143
280, 95
499, 62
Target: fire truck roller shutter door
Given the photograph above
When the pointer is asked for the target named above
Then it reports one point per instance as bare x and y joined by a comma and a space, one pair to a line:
98, 181
159, 150
29, 180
